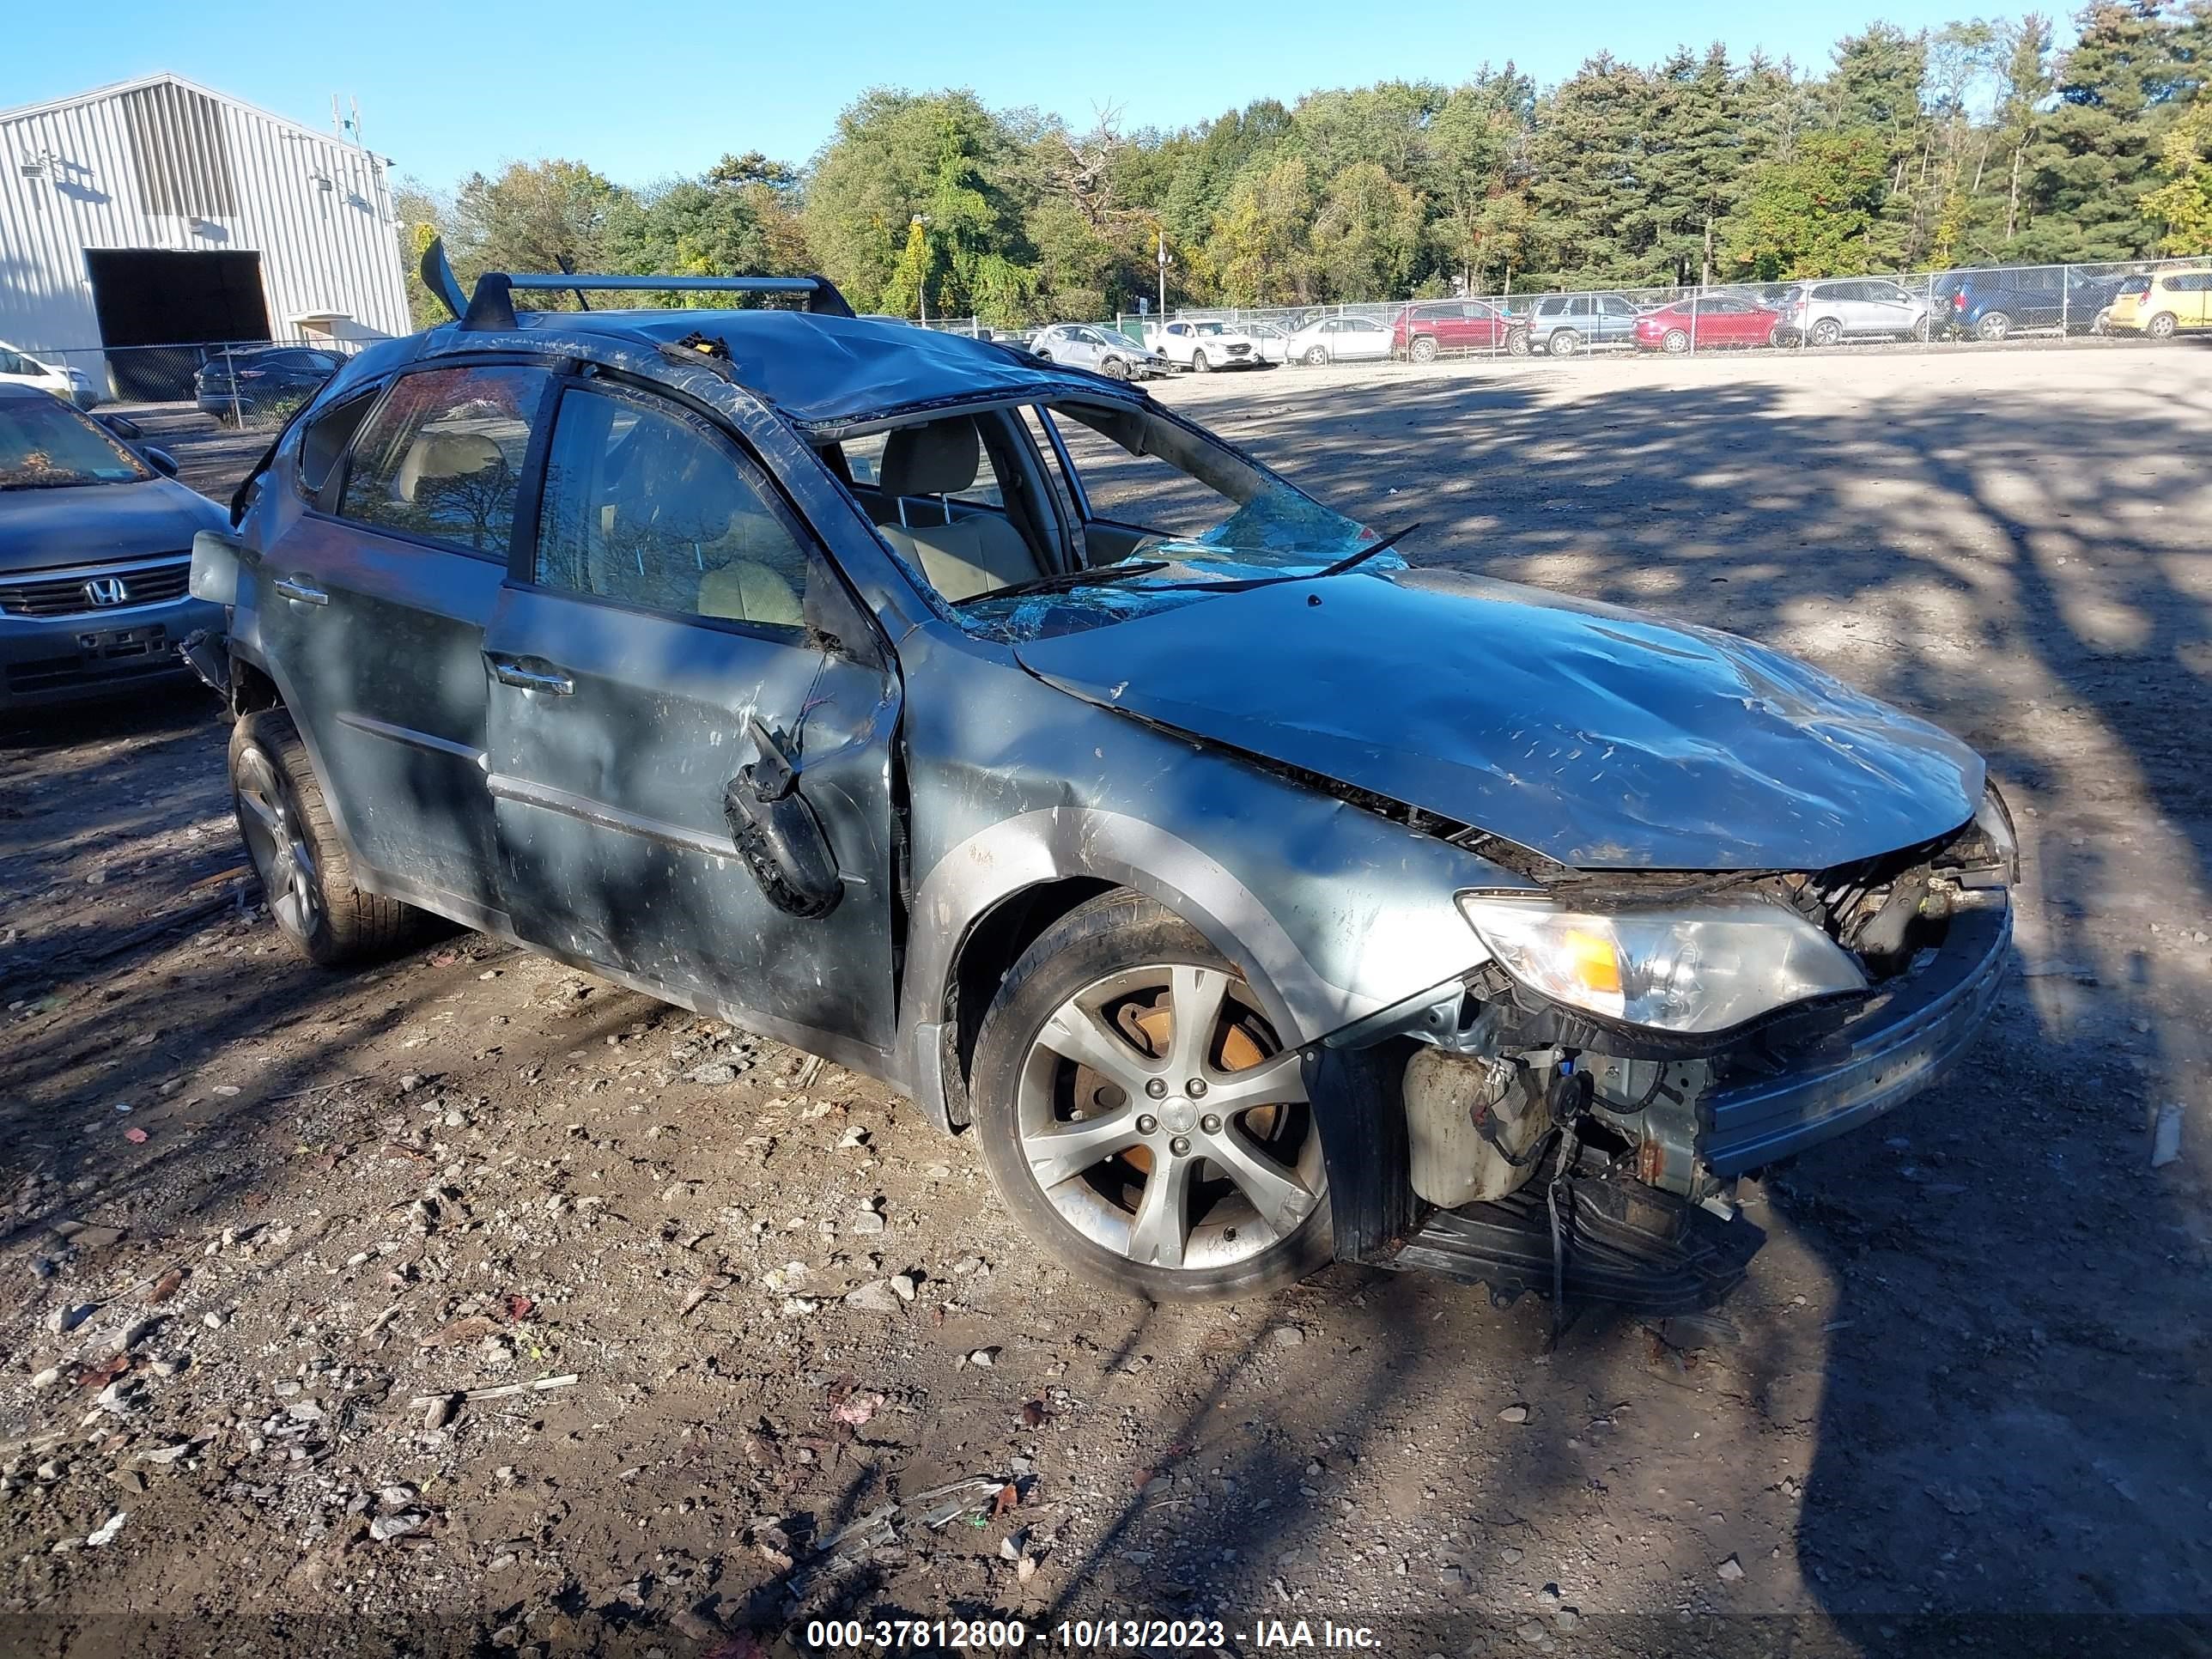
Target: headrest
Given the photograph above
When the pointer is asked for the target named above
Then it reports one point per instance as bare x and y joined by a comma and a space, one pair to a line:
936, 459
440, 455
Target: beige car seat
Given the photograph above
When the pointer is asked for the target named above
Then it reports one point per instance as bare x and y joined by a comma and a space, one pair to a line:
440, 457
965, 556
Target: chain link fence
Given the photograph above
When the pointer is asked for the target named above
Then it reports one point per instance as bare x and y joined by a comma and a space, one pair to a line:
253, 385
2144, 299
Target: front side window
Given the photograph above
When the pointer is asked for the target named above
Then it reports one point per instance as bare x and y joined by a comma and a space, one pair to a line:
441, 457
648, 506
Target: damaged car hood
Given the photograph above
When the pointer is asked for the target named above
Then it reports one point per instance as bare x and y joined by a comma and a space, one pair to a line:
1598, 737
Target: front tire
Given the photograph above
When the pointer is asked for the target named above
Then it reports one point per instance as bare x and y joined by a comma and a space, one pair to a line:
1199, 361
1141, 1118
296, 850
1115, 369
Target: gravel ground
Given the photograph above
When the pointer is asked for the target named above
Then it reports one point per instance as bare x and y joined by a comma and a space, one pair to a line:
263, 1227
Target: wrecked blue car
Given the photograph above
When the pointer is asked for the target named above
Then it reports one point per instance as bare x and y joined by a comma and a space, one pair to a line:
1247, 896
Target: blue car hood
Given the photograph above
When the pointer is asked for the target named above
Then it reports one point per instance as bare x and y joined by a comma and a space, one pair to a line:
1598, 737
40, 529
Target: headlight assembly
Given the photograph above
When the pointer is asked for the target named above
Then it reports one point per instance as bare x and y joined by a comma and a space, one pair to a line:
1699, 967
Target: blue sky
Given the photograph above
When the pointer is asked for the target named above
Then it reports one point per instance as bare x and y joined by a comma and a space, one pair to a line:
647, 88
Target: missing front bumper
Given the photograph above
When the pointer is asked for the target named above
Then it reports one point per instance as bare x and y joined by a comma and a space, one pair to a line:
1903, 1044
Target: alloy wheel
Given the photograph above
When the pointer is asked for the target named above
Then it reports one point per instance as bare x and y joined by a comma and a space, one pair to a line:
277, 842
1677, 340
1158, 1114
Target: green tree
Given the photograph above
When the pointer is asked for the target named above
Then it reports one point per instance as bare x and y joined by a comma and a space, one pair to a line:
1817, 214
2183, 203
1366, 234
534, 217
1260, 249
2126, 80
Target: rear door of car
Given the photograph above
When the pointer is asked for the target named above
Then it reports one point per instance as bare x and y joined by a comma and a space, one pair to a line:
373, 606
676, 661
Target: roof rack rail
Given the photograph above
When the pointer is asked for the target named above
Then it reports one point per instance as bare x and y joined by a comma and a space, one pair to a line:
491, 306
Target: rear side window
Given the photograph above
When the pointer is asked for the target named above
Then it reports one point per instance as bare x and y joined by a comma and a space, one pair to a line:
646, 506
441, 457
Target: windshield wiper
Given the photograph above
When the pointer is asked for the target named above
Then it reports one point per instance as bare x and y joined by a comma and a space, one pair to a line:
1245, 584
1065, 578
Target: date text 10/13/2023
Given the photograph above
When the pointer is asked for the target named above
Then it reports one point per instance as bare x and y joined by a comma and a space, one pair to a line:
1097, 1635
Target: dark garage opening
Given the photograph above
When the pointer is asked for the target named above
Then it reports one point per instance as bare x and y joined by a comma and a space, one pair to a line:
153, 297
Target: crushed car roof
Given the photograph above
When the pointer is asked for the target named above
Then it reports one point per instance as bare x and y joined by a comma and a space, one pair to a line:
825, 371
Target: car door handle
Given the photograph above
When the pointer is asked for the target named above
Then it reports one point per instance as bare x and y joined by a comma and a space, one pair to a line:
306, 593
508, 671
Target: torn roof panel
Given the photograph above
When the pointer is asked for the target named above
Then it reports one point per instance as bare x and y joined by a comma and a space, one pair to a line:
822, 371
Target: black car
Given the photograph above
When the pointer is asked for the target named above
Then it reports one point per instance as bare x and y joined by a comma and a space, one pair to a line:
257, 384
1994, 304
95, 550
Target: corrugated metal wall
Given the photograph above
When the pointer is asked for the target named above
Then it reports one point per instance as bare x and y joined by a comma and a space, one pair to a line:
162, 165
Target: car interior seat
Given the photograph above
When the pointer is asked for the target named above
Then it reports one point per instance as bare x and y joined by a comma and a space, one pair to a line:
443, 458
964, 556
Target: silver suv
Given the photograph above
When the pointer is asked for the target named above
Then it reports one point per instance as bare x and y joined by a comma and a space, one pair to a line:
1866, 307
1564, 324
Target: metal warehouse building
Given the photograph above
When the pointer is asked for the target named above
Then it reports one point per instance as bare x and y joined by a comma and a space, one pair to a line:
158, 213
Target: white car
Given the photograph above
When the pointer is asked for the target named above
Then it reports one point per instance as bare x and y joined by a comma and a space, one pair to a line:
71, 385
1272, 340
1106, 350
1340, 340
1203, 345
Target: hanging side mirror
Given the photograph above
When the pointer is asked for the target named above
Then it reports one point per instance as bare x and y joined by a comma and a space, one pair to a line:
777, 835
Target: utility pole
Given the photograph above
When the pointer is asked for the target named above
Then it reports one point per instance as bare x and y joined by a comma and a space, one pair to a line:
1165, 260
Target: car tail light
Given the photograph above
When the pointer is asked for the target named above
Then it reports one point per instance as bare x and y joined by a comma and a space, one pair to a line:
1958, 300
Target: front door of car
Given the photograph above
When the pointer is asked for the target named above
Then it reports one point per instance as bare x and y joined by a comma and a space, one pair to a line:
691, 719
2193, 298
1889, 308
372, 608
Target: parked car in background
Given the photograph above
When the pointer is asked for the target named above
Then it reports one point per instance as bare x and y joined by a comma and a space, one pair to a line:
1147, 822
1710, 320
1106, 350
1869, 308
1271, 340
95, 546
70, 384
2164, 305
258, 383
1331, 339
1564, 324
1994, 304
1205, 344
1430, 328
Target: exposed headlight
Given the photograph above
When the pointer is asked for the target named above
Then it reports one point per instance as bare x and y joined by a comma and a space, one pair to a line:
1698, 968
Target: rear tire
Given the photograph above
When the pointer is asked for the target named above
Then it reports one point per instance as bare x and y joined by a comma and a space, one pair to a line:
1677, 340
1995, 325
2162, 326
1230, 1181
1424, 350
298, 854
1563, 342
1826, 332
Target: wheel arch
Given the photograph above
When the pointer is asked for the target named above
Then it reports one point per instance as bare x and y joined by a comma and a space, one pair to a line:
985, 900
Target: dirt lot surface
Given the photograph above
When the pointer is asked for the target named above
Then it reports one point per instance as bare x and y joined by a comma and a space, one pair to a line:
264, 1225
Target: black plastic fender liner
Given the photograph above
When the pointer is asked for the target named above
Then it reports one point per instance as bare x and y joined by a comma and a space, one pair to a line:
1629, 1244
1354, 1096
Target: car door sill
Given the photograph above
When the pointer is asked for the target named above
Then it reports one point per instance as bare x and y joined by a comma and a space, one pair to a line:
848, 1052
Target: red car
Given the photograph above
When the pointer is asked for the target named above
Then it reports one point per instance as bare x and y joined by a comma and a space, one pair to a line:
1434, 328
1717, 319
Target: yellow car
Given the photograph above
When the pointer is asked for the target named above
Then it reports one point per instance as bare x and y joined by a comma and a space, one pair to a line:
2159, 306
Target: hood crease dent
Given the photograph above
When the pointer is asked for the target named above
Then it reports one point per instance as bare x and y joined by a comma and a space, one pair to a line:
1600, 737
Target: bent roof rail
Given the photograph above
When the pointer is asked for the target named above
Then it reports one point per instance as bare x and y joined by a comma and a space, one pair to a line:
491, 307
